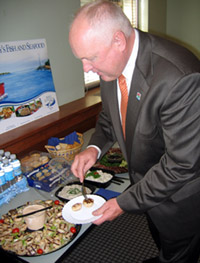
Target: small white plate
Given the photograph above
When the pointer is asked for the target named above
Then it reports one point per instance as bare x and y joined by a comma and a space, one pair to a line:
84, 215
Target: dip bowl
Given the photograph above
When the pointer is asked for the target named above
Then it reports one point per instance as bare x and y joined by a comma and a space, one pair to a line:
37, 220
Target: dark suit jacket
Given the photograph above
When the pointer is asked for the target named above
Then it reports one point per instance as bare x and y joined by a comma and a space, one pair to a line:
162, 144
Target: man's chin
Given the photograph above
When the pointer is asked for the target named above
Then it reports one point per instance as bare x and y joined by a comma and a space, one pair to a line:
107, 78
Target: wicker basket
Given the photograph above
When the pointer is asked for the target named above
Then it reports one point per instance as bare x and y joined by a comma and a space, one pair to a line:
68, 154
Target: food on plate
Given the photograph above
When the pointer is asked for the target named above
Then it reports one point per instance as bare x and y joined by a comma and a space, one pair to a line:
44, 159
24, 110
88, 202
116, 167
7, 112
34, 160
65, 146
98, 176
71, 191
39, 174
35, 155
15, 237
114, 157
76, 206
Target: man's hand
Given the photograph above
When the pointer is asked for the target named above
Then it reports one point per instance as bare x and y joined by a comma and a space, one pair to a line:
83, 162
109, 211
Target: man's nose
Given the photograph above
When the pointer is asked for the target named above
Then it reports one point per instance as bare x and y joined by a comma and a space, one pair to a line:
86, 66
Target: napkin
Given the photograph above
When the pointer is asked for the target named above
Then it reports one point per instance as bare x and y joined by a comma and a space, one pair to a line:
53, 141
107, 194
69, 139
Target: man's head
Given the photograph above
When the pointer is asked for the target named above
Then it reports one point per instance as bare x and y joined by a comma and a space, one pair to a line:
102, 37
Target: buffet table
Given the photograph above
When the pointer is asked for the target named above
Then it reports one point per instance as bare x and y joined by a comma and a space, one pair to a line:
34, 194
125, 239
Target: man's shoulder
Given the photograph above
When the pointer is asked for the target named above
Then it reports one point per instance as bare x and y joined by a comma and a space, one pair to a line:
174, 53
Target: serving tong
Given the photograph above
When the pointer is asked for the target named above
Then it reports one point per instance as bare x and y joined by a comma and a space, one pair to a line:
34, 212
118, 180
84, 191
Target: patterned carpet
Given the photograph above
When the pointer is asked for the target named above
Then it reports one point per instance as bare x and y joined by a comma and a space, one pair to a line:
125, 240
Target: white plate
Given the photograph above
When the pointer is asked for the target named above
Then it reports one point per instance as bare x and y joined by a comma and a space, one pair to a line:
84, 215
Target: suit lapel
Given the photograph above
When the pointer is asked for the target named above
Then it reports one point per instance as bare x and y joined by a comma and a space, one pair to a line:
139, 88
137, 95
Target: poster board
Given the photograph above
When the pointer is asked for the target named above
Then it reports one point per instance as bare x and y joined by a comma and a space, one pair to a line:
27, 91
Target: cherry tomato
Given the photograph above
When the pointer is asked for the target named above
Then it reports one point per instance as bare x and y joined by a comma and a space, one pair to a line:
15, 230
73, 230
1, 221
56, 202
40, 251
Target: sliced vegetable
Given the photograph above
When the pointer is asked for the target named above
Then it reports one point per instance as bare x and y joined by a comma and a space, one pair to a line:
73, 230
56, 202
15, 230
40, 251
74, 191
94, 174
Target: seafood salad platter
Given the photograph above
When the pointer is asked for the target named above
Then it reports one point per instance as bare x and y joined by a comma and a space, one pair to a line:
15, 237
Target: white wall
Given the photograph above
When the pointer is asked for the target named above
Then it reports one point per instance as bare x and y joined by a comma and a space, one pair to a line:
178, 20
183, 23
49, 19
157, 17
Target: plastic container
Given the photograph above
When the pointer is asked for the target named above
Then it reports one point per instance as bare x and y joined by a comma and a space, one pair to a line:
16, 167
2, 181
49, 176
7, 155
1, 152
1, 161
33, 161
100, 184
9, 174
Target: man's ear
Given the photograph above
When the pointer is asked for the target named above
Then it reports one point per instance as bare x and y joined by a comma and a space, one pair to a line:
119, 40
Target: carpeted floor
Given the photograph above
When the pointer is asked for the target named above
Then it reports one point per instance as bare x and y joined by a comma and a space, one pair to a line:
125, 240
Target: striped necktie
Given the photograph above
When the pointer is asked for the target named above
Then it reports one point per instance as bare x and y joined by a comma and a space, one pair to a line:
124, 100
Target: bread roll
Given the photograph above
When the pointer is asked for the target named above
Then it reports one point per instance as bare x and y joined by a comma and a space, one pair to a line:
76, 206
88, 202
44, 159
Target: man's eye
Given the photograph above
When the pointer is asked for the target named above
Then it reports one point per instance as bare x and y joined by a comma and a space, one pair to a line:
92, 59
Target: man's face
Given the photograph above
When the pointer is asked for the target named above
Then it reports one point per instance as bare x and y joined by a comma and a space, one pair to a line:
96, 56
101, 60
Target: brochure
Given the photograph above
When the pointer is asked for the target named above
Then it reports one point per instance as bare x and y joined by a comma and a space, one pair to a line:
27, 91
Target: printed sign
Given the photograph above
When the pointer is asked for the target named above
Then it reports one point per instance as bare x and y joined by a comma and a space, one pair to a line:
27, 90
